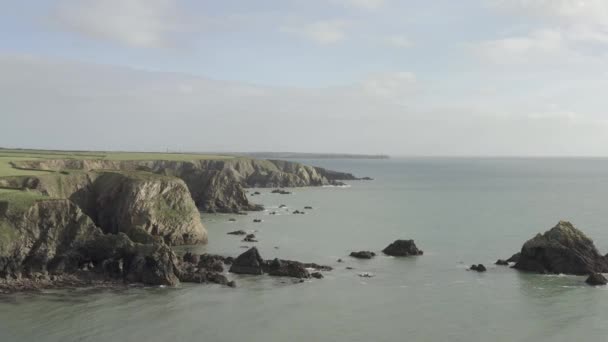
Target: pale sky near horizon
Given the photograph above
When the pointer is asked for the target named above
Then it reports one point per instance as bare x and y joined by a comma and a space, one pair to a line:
409, 77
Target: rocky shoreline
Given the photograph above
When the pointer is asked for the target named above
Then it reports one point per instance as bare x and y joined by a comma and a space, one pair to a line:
111, 223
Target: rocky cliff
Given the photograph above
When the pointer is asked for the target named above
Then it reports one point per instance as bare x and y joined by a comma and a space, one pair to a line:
139, 204
215, 185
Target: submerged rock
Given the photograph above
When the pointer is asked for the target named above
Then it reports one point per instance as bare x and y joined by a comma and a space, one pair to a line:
281, 192
562, 249
595, 279
363, 254
317, 275
237, 232
402, 248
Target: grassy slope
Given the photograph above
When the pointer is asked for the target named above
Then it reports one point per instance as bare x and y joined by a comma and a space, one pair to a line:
6, 156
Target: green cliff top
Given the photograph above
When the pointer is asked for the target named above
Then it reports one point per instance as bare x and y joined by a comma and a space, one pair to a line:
9, 155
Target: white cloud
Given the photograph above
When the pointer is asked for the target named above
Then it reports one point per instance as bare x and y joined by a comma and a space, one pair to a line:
581, 11
397, 41
321, 32
537, 46
392, 86
362, 4
136, 23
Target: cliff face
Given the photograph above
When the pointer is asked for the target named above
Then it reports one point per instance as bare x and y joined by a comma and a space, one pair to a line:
215, 185
34, 234
41, 237
139, 204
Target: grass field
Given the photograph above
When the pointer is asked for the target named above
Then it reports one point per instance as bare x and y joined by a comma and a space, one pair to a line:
8, 155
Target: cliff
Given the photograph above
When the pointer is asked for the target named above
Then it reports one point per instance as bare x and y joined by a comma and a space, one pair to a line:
215, 185
139, 204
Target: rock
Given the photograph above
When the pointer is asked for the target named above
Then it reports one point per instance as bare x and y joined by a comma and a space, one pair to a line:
231, 220
212, 262
501, 262
478, 268
280, 192
282, 206
340, 260
257, 193
273, 213
595, 279
298, 212
363, 254
562, 249
287, 268
514, 257
308, 207
402, 248
249, 262
257, 220
250, 238
366, 275
191, 258
349, 268
366, 178
317, 275
237, 232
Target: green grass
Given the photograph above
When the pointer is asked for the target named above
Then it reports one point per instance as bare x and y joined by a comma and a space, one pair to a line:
8, 155
20, 201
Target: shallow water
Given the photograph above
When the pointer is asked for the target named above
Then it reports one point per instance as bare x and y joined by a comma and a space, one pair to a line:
459, 211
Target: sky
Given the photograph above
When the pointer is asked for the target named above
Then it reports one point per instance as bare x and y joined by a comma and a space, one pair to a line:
398, 77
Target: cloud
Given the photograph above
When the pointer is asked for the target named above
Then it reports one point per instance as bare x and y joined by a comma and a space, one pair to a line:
361, 4
134, 23
393, 86
580, 11
536, 46
321, 32
397, 41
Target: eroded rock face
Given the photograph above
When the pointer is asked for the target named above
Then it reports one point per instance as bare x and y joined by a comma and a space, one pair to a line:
140, 205
402, 248
562, 249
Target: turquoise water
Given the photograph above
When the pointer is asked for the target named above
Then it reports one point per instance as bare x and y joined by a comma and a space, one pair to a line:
459, 211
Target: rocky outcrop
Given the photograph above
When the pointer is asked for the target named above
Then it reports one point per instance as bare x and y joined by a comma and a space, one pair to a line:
215, 185
363, 254
596, 279
251, 262
402, 248
562, 249
142, 205
478, 268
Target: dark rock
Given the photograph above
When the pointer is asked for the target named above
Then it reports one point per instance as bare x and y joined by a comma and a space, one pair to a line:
402, 248
231, 284
514, 257
238, 232
308, 207
191, 258
287, 268
282, 206
250, 238
563, 249
340, 260
478, 268
317, 275
257, 220
212, 262
363, 254
349, 268
366, 178
273, 213
249, 262
281, 192
299, 212
501, 262
366, 275
595, 279
232, 220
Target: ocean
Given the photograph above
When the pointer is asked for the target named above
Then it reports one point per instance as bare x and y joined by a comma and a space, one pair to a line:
460, 211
